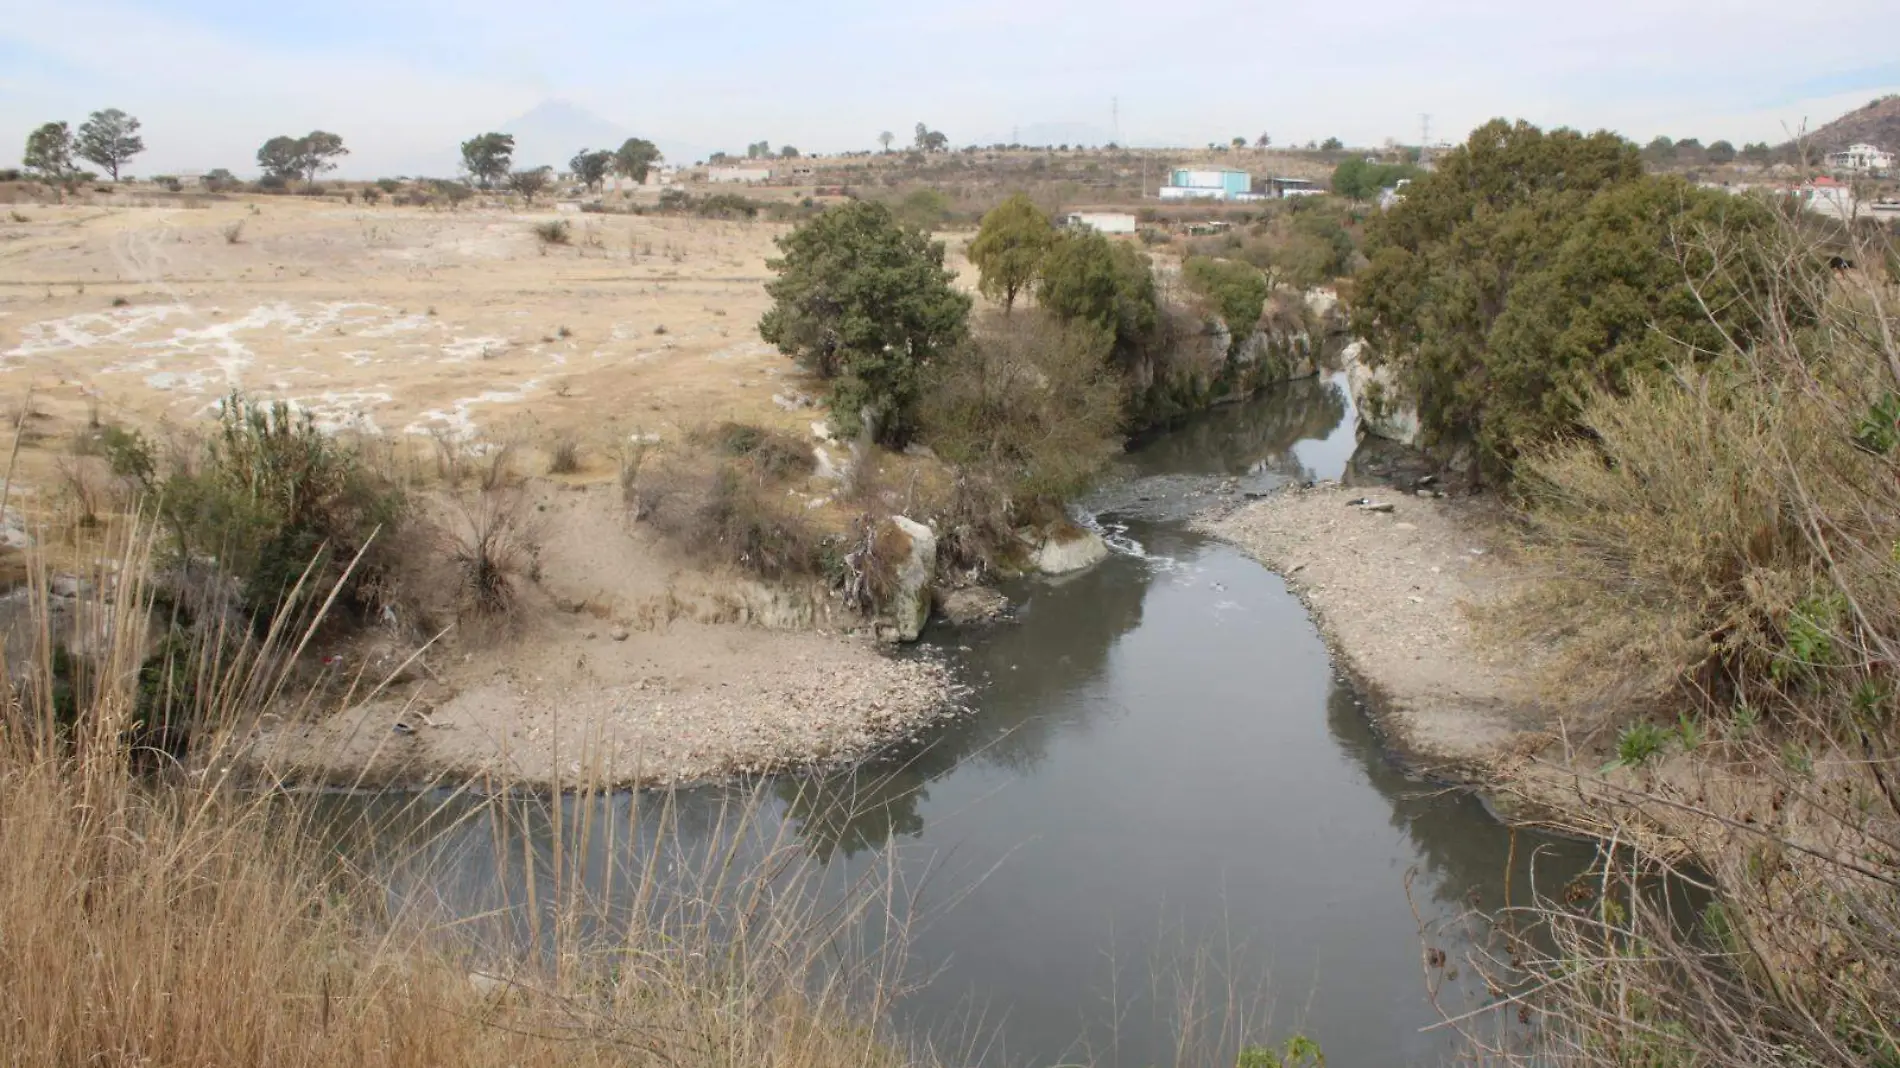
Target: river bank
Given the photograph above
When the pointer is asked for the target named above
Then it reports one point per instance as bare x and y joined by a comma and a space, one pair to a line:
1392, 586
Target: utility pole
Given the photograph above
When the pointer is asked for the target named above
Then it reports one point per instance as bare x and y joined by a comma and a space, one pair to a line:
1424, 138
1115, 119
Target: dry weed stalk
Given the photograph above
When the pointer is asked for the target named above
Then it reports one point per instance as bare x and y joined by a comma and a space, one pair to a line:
189, 920
1730, 544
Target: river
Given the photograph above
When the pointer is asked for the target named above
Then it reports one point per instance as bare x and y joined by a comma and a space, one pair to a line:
1164, 787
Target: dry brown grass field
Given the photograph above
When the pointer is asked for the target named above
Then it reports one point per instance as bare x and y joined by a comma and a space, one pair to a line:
429, 332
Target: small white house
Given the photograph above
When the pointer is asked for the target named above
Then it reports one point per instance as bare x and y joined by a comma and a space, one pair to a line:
1106, 222
1825, 196
739, 174
1861, 159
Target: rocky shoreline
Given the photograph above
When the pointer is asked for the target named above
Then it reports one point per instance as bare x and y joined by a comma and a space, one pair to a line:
694, 704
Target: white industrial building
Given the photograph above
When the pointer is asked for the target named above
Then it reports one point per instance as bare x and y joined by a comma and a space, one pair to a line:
739, 174
1106, 222
1214, 184
1861, 159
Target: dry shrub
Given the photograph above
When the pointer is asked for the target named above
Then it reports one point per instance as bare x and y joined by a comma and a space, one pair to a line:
565, 457
186, 920
553, 232
772, 454
725, 511
1030, 402
1730, 529
492, 543
1728, 540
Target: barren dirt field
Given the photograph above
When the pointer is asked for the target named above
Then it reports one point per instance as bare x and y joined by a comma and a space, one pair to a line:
393, 320
431, 328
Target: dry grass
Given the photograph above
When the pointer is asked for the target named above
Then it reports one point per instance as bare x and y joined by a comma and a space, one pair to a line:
565, 457
726, 502
1725, 547
185, 921
1030, 403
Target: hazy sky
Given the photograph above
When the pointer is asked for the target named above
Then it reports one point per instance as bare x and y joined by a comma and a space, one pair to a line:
404, 80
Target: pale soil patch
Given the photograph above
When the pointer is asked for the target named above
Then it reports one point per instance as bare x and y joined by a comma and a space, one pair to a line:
398, 320
1394, 593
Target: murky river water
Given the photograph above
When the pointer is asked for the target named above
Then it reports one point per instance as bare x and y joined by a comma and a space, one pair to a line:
1163, 778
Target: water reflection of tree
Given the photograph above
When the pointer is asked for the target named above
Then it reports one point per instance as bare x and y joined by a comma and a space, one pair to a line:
1462, 847
1252, 436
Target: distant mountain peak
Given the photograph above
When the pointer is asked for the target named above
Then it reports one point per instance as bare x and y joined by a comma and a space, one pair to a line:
549, 133
1877, 123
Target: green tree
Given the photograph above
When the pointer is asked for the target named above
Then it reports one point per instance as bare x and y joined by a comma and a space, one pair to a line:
787, 152
591, 167
281, 159
1530, 261
929, 140
634, 158
1237, 291
487, 157
285, 158
923, 209
109, 138
1721, 152
318, 152
1757, 152
530, 182
49, 153
865, 303
1331, 144
758, 150
885, 139
1359, 180
1613, 302
1660, 152
1088, 278
1009, 248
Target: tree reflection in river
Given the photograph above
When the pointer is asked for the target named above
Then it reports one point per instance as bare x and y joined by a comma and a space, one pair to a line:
1439, 819
1251, 437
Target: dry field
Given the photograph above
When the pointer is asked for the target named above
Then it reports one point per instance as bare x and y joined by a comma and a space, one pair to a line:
430, 328
391, 320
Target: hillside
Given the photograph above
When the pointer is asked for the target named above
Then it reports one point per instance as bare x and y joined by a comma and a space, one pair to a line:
1878, 123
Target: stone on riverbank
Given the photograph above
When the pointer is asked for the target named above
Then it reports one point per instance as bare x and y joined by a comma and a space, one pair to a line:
972, 605
916, 571
1070, 550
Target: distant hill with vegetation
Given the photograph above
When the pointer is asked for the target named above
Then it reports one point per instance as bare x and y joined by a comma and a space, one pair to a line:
1878, 123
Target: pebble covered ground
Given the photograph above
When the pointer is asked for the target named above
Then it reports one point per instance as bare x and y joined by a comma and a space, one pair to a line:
664, 710
1393, 590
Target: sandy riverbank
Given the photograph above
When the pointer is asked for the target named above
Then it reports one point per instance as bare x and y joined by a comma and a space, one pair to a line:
621, 661
1393, 592
696, 703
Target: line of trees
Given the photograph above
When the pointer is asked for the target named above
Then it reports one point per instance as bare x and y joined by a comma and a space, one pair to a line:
285, 159
108, 138
1665, 151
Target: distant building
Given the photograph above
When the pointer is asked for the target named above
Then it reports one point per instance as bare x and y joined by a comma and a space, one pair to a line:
1287, 188
1825, 196
1223, 184
1861, 159
1106, 222
739, 174
1390, 198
